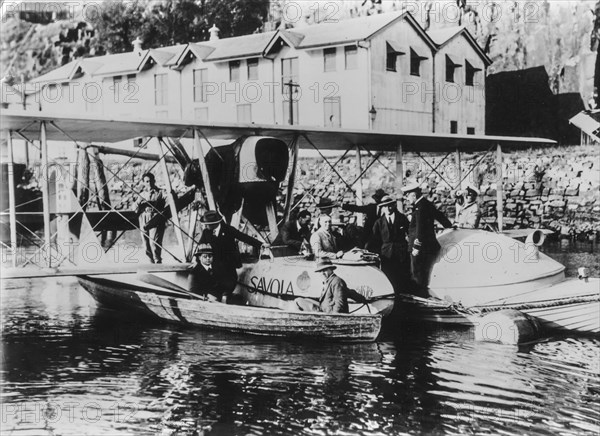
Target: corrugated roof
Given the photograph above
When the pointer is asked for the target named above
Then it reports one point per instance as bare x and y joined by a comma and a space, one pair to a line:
239, 46
61, 74
164, 54
588, 123
441, 36
343, 31
120, 63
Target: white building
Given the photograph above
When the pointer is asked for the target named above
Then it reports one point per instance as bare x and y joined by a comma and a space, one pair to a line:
379, 72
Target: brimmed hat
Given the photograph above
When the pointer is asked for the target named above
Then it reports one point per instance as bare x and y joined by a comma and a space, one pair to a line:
326, 203
378, 195
203, 249
413, 187
211, 217
472, 190
324, 264
388, 199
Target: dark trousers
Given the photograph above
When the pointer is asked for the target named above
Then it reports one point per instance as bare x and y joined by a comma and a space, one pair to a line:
421, 269
153, 243
398, 273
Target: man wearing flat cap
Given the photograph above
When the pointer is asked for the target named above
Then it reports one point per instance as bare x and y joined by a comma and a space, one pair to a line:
389, 241
335, 294
207, 279
223, 240
422, 242
370, 210
469, 214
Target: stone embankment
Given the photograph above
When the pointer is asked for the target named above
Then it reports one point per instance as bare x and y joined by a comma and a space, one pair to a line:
556, 188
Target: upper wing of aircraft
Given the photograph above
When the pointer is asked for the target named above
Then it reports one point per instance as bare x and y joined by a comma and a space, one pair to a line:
108, 130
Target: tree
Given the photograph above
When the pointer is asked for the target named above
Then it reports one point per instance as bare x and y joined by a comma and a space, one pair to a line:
118, 25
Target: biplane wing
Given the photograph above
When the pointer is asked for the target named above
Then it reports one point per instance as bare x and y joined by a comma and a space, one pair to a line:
104, 129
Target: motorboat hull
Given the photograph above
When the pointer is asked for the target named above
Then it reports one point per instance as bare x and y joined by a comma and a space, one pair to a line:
123, 293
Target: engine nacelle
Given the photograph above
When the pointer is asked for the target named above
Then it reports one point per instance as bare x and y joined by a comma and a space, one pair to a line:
250, 169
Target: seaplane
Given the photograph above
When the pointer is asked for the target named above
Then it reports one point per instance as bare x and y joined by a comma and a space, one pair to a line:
468, 280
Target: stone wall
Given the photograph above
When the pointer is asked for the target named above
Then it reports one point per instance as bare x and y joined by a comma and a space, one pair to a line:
556, 188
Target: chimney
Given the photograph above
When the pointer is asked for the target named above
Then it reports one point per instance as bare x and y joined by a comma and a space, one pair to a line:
214, 33
137, 45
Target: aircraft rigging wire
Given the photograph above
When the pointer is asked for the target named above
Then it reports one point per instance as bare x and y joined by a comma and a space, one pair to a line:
27, 139
323, 177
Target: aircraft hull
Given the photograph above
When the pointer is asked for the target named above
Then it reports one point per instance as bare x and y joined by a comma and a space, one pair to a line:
480, 272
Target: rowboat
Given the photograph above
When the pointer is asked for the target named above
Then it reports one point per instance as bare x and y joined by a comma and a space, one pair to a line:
128, 292
479, 272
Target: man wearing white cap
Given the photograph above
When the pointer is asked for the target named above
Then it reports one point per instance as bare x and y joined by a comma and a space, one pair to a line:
469, 214
422, 242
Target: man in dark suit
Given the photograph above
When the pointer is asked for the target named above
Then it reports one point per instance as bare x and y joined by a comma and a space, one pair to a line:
388, 239
370, 210
422, 241
296, 232
207, 279
223, 240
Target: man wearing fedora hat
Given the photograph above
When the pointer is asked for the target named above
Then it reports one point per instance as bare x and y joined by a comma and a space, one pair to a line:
207, 279
422, 242
223, 240
335, 294
370, 210
389, 241
469, 214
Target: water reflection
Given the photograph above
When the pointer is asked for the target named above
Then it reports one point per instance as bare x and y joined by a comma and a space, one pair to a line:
68, 365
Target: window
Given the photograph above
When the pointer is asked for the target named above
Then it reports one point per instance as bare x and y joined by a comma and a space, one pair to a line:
453, 126
329, 55
470, 73
234, 71
286, 112
470, 130
160, 89
289, 72
201, 113
200, 78
252, 69
350, 55
392, 53
332, 111
415, 63
117, 88
450, 67
244, 113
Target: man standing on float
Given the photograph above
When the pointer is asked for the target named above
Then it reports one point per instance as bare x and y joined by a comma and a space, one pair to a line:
422, 242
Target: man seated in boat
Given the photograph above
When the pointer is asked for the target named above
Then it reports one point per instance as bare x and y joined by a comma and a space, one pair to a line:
469, 214
422, 242
223, 239
335, 294
296, 232
325, 241
150, 205
325, 206
206, 279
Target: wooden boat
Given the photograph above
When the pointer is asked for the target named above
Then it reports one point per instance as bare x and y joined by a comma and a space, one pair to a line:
127, 292
479, 272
